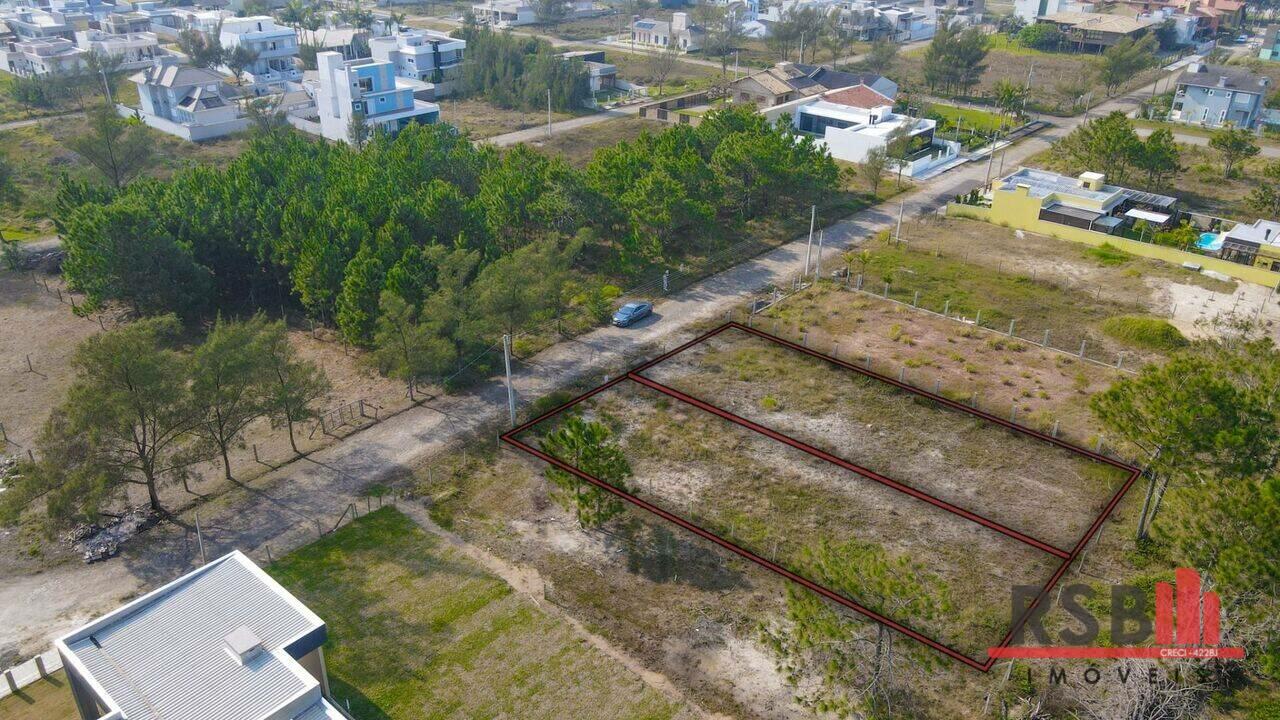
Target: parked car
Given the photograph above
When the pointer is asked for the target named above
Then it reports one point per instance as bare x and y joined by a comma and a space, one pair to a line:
631, 312
1242, 39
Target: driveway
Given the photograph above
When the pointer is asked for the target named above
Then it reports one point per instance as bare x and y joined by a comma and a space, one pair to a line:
281, 510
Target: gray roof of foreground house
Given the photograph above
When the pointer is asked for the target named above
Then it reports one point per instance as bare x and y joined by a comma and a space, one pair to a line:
176, 76
1232, 78
171, 655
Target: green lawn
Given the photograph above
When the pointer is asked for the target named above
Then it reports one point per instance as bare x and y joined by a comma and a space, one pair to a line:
418, 631
970, 118
48, 699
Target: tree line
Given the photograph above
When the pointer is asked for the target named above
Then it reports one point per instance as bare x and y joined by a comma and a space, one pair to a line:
424, 246
517, 71
142, 411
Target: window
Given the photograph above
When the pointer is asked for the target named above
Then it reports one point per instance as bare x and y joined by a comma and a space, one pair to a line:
365, 84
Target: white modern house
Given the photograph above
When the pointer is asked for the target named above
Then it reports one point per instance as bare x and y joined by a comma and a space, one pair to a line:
276, 48
224, 642
660, 34
189, 102
135, 50
423, 55
512, 13
368, 89
1029, 10
851, 122
42, 56
29, 23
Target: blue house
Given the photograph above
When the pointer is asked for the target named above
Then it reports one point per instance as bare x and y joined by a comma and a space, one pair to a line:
370, 90
1219, 95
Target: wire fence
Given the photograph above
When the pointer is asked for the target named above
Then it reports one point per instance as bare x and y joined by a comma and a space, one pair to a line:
988, 319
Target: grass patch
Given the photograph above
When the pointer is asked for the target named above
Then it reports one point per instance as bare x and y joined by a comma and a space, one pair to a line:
417, 630
1108, 254
48, 699
970, 118
1144, 332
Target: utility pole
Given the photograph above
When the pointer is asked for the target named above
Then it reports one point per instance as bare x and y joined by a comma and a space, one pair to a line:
1026, 92
548, 112
735, 65
511, 391
991, 158
106, 85
897, 234
813, 217
817, 266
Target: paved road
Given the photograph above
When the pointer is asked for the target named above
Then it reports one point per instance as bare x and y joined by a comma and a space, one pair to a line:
281, 508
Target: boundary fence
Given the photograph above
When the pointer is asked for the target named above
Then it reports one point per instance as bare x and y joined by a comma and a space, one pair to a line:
635, 375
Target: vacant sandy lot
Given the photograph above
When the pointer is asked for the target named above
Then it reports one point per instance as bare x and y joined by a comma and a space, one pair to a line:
1046, 492
782, 503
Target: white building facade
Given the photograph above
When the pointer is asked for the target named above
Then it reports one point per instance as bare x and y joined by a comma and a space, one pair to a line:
422, 55
368, 89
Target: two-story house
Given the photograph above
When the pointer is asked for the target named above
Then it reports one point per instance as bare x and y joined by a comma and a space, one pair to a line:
125, 23
367, 90
133, 50
423, 55
275, 47
42, 56
33, 24
189, 102
1218, 95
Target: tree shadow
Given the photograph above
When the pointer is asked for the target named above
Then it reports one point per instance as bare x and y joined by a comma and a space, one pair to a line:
349, 698
659, 554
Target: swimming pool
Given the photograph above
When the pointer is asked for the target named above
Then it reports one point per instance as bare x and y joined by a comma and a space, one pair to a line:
1209, 241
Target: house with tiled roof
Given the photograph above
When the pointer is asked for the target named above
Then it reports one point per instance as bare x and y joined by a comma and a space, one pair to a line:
788, 81
1095, 32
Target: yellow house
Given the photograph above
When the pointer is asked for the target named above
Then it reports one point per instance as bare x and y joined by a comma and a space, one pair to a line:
1028, 197
1087, 210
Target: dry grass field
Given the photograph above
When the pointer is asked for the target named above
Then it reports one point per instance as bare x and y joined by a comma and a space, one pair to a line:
959, 458
419, 631
482, 119
579, 146
1059, 78
781, 503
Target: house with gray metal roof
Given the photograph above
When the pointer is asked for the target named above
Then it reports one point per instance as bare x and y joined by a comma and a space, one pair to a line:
224, 642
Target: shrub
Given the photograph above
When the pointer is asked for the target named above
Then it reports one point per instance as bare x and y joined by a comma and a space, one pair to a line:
1107, 254
1145, 332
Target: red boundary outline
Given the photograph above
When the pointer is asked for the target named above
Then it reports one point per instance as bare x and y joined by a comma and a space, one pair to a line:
634, 375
